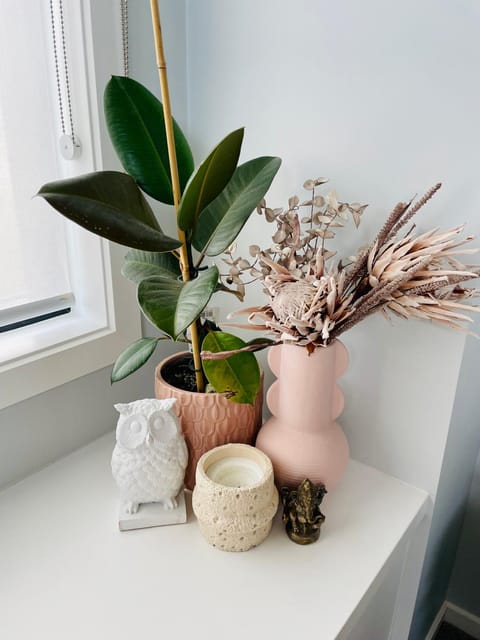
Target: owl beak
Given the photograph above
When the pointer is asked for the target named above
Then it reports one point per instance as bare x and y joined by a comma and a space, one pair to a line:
148, 439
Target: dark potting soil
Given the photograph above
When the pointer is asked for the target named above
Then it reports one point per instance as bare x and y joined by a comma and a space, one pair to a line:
181, 373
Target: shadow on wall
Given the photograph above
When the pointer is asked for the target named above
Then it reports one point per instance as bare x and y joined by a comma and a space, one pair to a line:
434, 581
464, 589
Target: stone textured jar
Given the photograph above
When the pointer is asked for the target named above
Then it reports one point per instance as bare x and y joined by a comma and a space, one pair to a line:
235, 498
209, 419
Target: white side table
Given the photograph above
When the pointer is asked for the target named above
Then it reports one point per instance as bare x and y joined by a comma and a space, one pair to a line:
66, 572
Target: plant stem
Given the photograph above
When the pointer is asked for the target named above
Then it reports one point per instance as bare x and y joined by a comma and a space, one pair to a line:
172, 156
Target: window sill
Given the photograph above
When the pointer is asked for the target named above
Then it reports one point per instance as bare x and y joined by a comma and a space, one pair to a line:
40, 357
28, 343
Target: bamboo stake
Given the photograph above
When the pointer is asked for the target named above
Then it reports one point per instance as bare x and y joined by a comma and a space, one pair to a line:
172, 156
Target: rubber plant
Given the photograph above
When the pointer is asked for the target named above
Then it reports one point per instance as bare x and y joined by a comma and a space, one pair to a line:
175, 277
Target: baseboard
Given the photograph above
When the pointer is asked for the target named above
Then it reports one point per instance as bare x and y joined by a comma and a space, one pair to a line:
463, 620
436, 623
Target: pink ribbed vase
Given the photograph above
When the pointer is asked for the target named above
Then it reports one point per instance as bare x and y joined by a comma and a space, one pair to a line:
302, 438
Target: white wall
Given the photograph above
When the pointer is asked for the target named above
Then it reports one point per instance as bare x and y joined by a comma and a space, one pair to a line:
382, 98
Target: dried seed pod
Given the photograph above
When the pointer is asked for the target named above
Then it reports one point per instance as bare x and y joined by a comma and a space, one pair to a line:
356, 218
356, 206
322, 219
328, 254
325, 234
332, 200
293, 202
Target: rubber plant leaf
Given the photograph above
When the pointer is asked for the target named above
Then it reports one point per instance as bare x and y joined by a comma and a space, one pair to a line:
210, 179
238, 375
109, 204
139, 265
134, 356
172, 305
222, 220
136, 126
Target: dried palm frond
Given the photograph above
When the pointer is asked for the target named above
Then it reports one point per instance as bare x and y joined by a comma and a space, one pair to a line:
311, 301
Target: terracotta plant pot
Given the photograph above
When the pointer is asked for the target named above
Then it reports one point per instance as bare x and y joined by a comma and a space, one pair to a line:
235, 498
302, 438
209, 419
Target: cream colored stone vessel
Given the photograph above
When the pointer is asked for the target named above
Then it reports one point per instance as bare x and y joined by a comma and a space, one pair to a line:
235, 498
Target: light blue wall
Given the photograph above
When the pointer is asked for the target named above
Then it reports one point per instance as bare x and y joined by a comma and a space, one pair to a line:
446, 538
464, 590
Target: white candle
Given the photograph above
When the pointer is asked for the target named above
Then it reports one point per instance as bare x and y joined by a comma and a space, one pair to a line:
233, 471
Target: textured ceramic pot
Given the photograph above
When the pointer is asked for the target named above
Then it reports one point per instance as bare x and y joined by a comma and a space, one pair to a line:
302, 438
209, 419
235, 498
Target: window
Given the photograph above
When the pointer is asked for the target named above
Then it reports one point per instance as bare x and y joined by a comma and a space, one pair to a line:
33, 271
48, 264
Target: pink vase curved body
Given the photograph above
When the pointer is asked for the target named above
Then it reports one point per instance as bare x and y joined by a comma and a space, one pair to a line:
302, 438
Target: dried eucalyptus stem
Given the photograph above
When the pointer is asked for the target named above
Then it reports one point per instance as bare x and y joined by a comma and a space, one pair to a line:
310, 301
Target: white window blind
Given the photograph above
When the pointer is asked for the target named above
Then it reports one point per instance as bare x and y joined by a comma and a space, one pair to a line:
104, 318
33, 257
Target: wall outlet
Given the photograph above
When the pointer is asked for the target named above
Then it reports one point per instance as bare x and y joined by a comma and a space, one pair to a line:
212, 314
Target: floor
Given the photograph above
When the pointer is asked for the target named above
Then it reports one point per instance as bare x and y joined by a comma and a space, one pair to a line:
448, 632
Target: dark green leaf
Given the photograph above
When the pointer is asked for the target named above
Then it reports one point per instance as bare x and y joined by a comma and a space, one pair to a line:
134, 356
262, 341
210, 179
172, 305
221, 287
137, 129
139, 265
109, 204
221, 221
239, 374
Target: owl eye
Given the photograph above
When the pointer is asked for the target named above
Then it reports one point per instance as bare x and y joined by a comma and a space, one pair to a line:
163, 426
132, 431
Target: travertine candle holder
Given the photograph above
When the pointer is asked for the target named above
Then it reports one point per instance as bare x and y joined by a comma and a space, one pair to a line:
235, 498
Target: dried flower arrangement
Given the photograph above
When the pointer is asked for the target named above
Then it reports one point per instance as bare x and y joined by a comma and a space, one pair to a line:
312, 301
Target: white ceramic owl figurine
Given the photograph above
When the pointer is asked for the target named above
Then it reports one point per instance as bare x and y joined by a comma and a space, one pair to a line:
150, 456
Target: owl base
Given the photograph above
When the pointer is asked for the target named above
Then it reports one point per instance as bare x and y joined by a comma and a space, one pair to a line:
153, 514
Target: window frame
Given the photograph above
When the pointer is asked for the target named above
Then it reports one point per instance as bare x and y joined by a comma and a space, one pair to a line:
76, 344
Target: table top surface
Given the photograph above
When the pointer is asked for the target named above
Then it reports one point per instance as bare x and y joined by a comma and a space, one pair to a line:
66, 572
